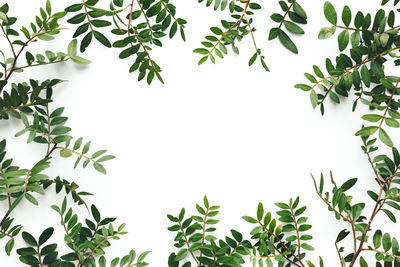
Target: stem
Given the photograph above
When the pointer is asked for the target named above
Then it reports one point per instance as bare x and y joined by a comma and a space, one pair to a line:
51, 150
87, 16
147, 20
9, 41
340, 256
42, 64
283, 244
93, 250
251, 32
381, 252
389, 103
188, 245
365, 61
204, 230
230, 28
372, 163
68, 235
377, 208
22, 49
39, 256
297, 232
286, 13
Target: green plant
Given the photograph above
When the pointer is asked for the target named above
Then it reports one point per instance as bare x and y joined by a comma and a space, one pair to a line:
234, 31
31, 103
136, 32
359, 69
268, 241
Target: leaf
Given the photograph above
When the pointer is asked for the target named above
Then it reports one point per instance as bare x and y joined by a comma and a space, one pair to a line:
346, 16
201, 51
343, 40
348, 184
299, 10
342, 235
72, 47
377, 238
80, 60
330, 13
29, 239
367, 131
95, 213
253, 58
102, 39
9, 246
385, 138
363, 263
99, 168
386, 242
45, 235
260, 211
249, 219
293, 27
3, 17
326, 32
314, 99
372, 117
287, 42
390, 215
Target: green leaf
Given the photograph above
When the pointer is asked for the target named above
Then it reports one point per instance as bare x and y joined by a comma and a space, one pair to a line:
348, 184
72, 47
29, 239
48, 7
249, 219
367, 131
385, 138
45, 235
365, 76
346, 16
372, 117
3, 17
9, 246
201, 51
287, 42
293, 27
102, 39
299, 10
330, 13
377, 238
314, 98
386, 242
343, 40
390, 215
326, 32
363, 263
99, 168
260, 211
216, 30
80, 60
253, 58
95, 213
342, 235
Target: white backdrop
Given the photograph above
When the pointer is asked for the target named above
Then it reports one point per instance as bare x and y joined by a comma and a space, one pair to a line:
238, 134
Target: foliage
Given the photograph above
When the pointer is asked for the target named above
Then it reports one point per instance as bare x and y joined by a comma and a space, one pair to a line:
135, 32
234, 31
85, 242
366, 48
359, 69
30, 103
367, 43
283, 239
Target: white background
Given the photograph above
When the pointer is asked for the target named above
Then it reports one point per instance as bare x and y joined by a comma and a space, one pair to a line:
237, 134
